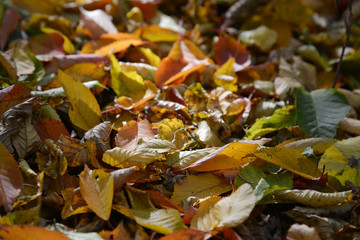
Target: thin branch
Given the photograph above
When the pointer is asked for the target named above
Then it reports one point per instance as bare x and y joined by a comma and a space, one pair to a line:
348, 23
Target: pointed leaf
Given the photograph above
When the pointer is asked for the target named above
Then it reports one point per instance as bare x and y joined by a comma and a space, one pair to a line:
291, 160
85, 110
233, 210
10, 179
200, 186
97, 188
163, 221
342, 160
320, 111
204, 218
122, 158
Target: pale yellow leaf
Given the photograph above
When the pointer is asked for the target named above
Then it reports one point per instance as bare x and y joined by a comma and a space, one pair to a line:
204, 218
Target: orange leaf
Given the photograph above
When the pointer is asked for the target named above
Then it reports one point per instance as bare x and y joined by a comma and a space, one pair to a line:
27, 232
118, 46
186, 234
228, 156
168, 67
50, 129
12, 96
161, 201
129, 135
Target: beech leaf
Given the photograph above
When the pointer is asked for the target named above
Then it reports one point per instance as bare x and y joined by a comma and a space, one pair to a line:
97, 188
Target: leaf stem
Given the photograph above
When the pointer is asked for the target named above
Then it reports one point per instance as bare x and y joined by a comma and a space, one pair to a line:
348, 23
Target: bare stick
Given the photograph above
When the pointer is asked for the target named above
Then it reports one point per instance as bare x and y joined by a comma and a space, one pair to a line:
348, 23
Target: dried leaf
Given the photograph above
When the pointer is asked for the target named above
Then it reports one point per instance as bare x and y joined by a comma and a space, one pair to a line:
85, 111
97, 188
29, 232
10, 179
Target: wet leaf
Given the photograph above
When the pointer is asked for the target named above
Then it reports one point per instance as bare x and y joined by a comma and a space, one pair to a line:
10, 179
97, 188
85, 111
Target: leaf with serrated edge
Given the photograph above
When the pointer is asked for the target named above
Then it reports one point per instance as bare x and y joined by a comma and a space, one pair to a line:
97, 188
10, 179
85, 110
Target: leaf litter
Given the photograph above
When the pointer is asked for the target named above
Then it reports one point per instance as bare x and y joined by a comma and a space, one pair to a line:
179, 119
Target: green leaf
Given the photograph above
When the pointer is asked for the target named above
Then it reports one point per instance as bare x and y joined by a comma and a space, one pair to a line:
342, 160
320, 111
281, 118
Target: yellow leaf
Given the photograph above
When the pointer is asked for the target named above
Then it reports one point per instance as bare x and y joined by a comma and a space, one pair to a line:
204, 218
154, 33
67, 45
200, 186
27, 232
122, 158
163, 221
291, 160
152, 58
168, 127
229, 156
226, 77
126, 83
85, 110
233, 210
10, 179
342, 160
97, 188
74, 203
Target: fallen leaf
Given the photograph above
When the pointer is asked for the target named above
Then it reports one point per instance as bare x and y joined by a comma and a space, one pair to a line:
12, 96
97, 188
10, 179
85, 111
9, 21
27, 232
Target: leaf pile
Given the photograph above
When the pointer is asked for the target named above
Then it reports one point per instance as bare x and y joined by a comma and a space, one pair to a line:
178, 120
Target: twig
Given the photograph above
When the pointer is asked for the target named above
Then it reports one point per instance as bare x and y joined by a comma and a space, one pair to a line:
348, 23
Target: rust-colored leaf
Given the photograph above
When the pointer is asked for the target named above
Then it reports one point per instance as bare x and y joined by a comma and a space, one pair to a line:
9, 21
12, 96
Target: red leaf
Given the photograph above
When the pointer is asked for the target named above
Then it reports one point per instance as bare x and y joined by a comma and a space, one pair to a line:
9, 21
50, 129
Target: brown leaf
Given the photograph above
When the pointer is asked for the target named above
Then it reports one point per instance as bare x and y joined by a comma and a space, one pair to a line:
228, 47
50, 129
10, 179
148, 8
9, 21
12, 96
161, 201
130, 134
186, 234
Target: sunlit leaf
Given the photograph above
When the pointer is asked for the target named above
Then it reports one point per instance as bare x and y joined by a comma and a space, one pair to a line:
262, 37
320, 111
122, 158
235, 209
85, 111
184, 159
309, 197
226, 77
229, 156
164, 221
156, 146
200, 186
10, 179
155, 33
97, 188
125, 83
130, 134
168, 127
207, 134
204, 218
289, 159
281, 118
342, 160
